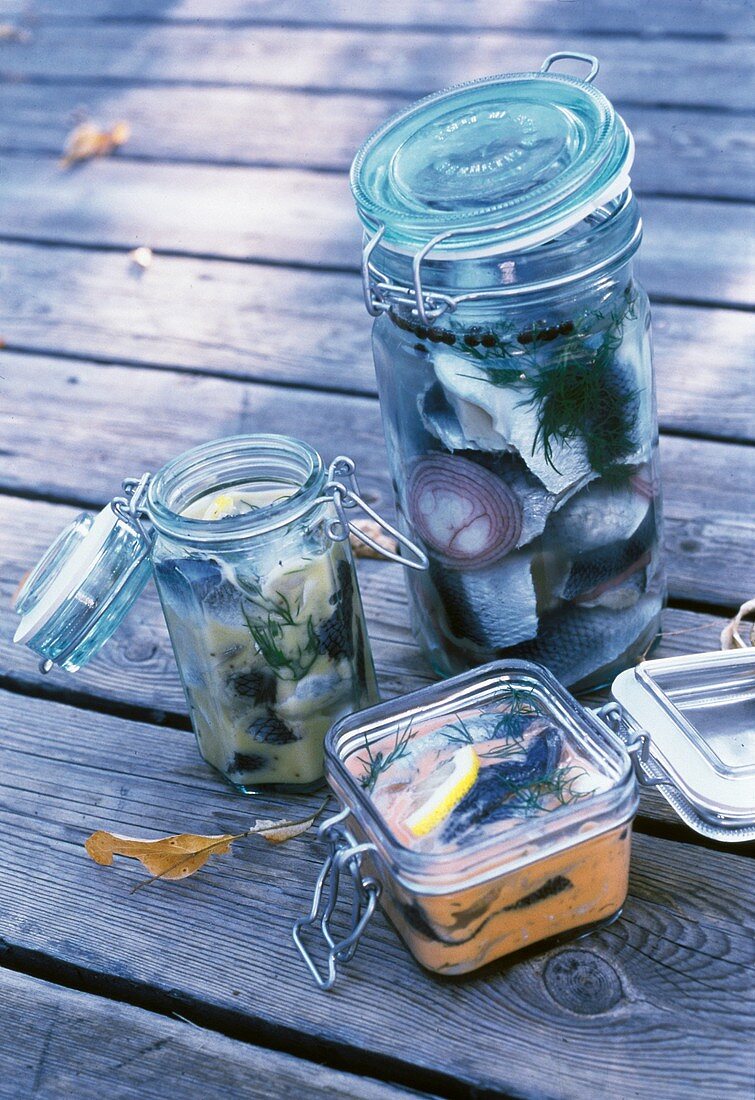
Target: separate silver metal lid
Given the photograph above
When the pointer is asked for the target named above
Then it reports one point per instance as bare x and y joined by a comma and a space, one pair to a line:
699, 714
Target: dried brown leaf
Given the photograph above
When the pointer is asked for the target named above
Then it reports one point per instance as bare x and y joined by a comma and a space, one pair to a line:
278, 832
182, 854
375, 532
87, 140
731, 637
170, 857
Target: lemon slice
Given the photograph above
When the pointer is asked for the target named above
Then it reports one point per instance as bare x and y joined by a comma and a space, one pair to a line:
222, 506
449, 784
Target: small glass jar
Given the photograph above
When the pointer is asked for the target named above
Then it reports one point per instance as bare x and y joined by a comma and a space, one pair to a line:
492, 812
263, 608
247, 539
513, 360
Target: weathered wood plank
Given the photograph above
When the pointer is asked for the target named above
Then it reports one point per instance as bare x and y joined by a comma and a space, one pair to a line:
59, 1042
680, 152
676, 970
307, 328
708, 17
111, 422
651, 71
300, 217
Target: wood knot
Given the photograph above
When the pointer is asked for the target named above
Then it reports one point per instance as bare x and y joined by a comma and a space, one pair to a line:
582, 982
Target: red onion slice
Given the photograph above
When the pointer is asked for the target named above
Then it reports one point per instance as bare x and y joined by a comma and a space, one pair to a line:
462, 511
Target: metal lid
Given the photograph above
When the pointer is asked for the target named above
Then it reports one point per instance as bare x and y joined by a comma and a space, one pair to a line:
85, 583
505, 162
699, 714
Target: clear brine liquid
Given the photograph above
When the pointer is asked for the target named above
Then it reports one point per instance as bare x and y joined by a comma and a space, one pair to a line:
523, 447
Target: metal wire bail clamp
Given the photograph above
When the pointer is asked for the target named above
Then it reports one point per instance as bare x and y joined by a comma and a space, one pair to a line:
344, 493
647, 770
571, 55
345, 854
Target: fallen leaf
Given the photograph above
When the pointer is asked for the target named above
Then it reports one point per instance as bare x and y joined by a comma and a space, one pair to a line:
170, 857
87, 140
142, 257
278, 832
120, 133
11, 33
377, 534
181, 855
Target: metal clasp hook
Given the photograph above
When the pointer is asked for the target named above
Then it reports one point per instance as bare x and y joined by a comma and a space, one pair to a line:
562, 55
637, 745
130, 507
345, 854
344, 490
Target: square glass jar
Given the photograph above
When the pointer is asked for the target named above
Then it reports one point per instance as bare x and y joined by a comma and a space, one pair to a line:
463, 890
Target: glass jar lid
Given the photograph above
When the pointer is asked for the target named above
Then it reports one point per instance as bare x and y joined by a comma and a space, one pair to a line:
698, 713
85, 583
40, 577
502, 163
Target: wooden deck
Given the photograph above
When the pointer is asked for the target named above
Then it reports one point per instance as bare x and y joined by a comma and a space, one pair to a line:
244, 118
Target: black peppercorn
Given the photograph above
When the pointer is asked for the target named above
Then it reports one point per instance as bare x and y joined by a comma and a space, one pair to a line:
488, 339
435, 335
448, 337
566, 328
421, 331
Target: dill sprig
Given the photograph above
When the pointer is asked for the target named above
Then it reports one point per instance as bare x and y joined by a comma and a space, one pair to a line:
580, 395
461, 734
378, 763
537, 797
273, 629
578, 392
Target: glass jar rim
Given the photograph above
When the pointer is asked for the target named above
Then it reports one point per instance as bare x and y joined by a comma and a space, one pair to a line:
178, 483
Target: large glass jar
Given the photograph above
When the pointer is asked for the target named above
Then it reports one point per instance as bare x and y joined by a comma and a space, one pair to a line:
513, 359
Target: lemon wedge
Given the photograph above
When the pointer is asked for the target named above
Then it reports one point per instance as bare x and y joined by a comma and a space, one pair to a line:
450, 783
222, 506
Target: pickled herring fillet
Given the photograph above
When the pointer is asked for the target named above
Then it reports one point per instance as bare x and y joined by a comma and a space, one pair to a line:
499, 418
593, 569
598, 515
575, 642
494, 795
494, 607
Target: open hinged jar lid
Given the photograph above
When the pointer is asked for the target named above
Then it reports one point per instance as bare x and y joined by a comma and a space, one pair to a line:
695, 717
86, 582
